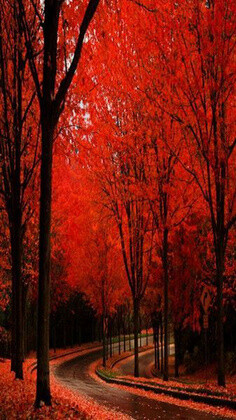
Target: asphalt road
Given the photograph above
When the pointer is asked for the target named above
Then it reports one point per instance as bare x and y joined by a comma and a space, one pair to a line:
126, 367
74, 375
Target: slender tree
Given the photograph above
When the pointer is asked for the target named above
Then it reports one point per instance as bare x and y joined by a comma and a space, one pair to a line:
19, 158
51, 94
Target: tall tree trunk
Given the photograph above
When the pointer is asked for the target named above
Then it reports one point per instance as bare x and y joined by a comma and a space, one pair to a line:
64, 331
99, 331
119, 336
103, 343
43, 385
54, 337
72, 330
177, 351
166, 304
136, 327
158, 348
140, 329
17, 315
110, 338
220, 315
80, 335
129, 338
24, 318
161, 345
155, 348
13, 325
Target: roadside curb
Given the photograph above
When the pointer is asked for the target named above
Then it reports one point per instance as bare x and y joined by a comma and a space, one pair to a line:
183, 395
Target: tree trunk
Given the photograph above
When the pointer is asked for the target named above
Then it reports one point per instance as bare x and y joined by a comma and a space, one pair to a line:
177, 351
99, 332
80, 335
110, 339
136, 326
13, 325
24, 318
161, 345
54, 338
64, 331
220, 315
72, 330
17, 315
129, 338
155, 348
166, 304
43, 385
158, 349
119, 337
103, 342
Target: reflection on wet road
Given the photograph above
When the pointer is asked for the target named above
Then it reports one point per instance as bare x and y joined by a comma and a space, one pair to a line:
74, 374
145, 360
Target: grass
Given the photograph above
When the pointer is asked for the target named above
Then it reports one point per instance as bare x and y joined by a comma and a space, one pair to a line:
107, 373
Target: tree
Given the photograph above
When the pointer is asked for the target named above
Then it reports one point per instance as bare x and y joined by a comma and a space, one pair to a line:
201, 68
51, 94
119, 172
88, 239
19, 158
186, 277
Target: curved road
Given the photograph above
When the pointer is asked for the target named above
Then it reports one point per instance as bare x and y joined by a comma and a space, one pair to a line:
74, 375
146, 359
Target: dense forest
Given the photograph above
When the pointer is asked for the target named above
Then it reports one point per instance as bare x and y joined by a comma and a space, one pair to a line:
117, 180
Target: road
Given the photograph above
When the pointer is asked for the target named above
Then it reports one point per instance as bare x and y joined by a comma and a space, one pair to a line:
74, 375
146, 359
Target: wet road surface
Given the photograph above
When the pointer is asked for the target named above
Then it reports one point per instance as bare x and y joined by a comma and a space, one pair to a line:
74, 375
126, 367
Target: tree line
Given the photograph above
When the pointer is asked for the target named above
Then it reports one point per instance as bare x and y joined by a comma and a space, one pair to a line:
117, 138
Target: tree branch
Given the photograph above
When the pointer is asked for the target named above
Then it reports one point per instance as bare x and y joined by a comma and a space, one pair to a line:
66, 82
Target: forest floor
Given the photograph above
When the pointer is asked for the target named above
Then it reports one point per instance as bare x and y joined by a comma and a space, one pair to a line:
17, 397
204, 377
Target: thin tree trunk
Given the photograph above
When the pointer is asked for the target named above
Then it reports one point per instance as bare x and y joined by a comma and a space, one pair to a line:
136, 327
161, 345
129, 338
13, 325
119, 337
158, 349
110, 339
155, 348
220, 315
177, 351
103, 343
64, 332
166, 304
24, 318
80, 335
54, 338
17, 315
